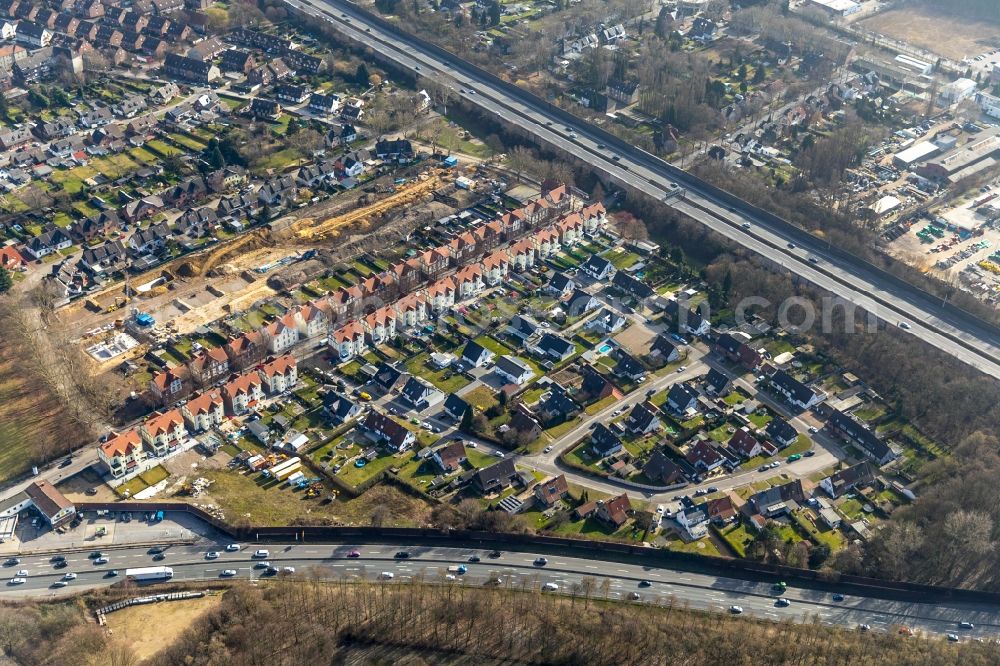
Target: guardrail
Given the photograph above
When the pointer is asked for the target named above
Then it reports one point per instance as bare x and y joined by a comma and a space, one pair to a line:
916, 295
586, 548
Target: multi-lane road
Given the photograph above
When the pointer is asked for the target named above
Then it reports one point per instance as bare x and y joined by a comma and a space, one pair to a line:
963, 336
514, 569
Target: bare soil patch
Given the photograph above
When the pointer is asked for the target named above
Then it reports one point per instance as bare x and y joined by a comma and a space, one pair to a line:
152, 627
950, 36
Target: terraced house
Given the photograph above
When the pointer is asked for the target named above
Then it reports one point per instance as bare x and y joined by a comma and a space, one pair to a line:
122, 453
163, 432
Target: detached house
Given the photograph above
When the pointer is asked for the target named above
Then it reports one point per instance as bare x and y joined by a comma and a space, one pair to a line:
662, 470
607, 322
163, 432
475, 355
604, 442
122, 453
279, 375
550, 492
580, 302
664, 348
449, 457
555, 347
204, 411
744, 445
496, 477
51, 240
614, 512
514, 370
781, 432
643, 419
598, 267
681, 398
388, 432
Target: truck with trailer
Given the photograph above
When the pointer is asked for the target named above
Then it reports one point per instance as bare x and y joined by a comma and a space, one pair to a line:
149, 574
276, 469
287, 471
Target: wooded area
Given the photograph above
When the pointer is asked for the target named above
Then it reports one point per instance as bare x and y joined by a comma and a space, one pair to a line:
314, 623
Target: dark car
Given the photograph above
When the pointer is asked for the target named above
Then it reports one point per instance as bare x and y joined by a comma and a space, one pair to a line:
159, 556
61, 564
155, 550
540, 561
402, 555
354, 553
495, 554
111, 574
58, 558
474, 558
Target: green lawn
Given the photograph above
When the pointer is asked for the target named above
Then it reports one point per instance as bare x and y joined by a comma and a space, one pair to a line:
737, 537
163, 148
444, 379
354, 475
481, 397
621, 258
494, 345
600, 405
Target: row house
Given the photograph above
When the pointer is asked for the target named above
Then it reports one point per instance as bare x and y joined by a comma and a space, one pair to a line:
496, 266
313, 319
346, 302
546, 241
488, 236
463, 248
411, 310
279, 375
469, 281
381, 325
205, 411
282, 333
570, 229
163, 432
594, 217
209, 366
170, 385
441, 294
435, 261
523, 255
408, 274
382, 286
243, 392
349, 340
245, 350
122, 453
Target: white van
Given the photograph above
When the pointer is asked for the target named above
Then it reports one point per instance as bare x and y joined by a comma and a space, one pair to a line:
262, 553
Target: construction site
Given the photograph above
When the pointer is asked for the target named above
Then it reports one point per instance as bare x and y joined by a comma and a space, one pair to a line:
182, 297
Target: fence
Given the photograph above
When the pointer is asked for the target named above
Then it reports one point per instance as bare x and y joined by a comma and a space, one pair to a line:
100, 613
586, 548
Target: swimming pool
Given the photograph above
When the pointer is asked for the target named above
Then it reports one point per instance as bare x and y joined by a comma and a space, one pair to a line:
605, 348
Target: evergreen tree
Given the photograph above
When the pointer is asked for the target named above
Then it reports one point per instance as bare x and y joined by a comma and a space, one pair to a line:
759, 73
361, 76
466, 424
6, 281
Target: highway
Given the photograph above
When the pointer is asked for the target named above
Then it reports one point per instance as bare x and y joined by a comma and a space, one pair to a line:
517, 570
966, 338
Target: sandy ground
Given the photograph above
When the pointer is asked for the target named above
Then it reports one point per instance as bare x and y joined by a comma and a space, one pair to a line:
170, 618
636, 338
949, 36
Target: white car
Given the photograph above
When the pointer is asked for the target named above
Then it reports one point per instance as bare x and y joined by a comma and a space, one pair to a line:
69, 576
23, 573
262, 554
776, 464
228, 573
212, 555
682, 368
499, 454
101, 560
550, 587
232, 548
473, 445
288, 570
17, 581
450, 577
60, 583
904, 325
547, 449
736, 610
387, 575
